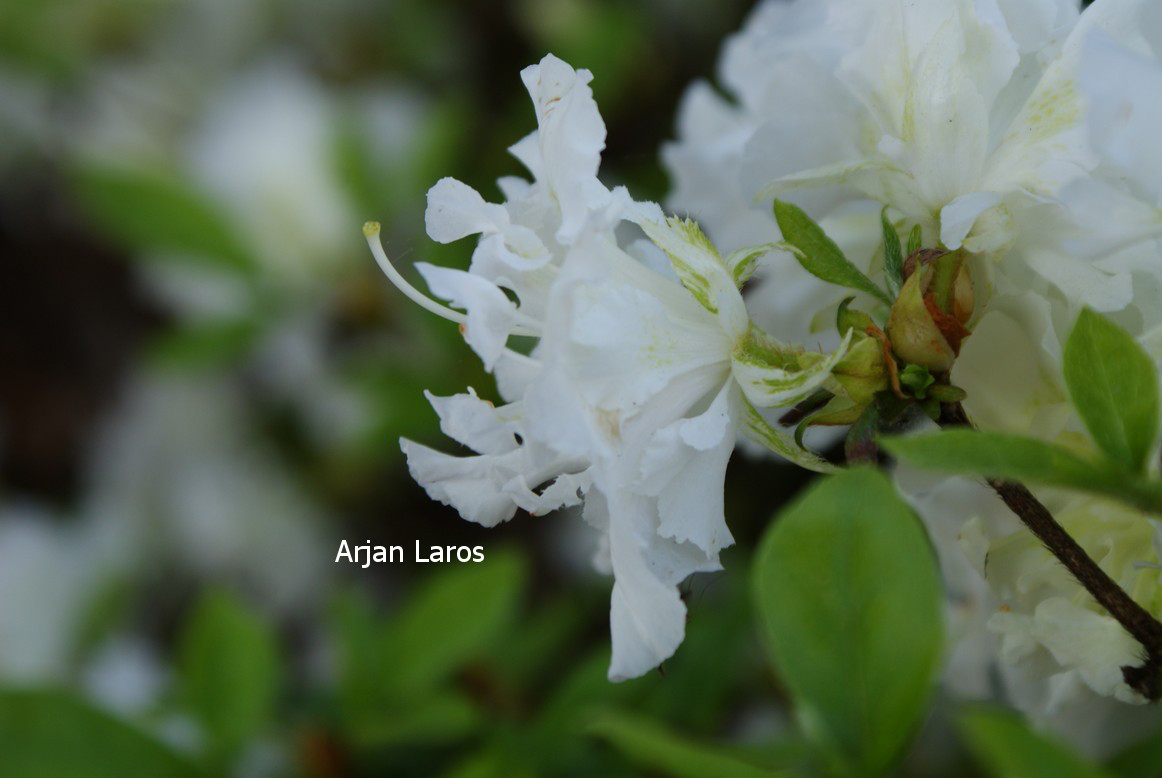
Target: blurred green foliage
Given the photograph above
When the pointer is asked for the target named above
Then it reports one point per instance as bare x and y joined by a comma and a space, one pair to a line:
495, 669
229, 672
51, 734
1008, 748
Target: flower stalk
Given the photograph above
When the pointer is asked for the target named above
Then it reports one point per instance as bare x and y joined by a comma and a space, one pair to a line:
1136, 620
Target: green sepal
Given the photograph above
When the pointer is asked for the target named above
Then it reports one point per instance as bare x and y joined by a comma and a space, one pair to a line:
838, 412
946, 270
772, 376
862, 372
947, 393
756, 428
918, 379
915, 241
893, 256
850, 319
741, 263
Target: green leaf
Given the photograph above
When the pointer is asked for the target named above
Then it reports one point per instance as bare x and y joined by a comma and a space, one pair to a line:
494, 760
1000, 455
152, 212
210, 344
438, 719
818, 254
229, 670
1114, 385
353, 624
653, 748
50, 734
849, 601
893, 256
1007, 748
532, 654
451, 620
1141, 760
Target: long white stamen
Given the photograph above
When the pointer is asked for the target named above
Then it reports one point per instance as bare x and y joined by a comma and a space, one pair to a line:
371, 232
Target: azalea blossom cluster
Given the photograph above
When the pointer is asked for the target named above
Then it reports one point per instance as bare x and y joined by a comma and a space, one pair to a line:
1014, 138
1019, 132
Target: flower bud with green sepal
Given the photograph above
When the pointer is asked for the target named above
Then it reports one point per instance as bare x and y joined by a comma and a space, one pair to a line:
927, 322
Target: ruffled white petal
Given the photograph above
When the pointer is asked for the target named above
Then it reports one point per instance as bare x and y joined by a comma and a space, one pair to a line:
701, 269
647, 619
958, 217
1093, 644
471, 485
476, 423
570, 138
492, 317
1125, 114
456, 210
684, 466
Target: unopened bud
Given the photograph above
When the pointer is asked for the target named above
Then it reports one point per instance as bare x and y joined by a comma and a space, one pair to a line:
914, 335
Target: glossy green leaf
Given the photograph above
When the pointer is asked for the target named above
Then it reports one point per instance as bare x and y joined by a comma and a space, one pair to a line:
52, 734
151, 212
653, 748
1141, 760
451, 620
848, 595
1114, 385
229, 670
1007, 748
1000, 455
818, 254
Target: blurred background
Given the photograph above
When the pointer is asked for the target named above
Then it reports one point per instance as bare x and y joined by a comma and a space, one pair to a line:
203, 380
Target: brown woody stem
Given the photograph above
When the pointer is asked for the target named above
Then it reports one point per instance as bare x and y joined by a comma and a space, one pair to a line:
1146, 679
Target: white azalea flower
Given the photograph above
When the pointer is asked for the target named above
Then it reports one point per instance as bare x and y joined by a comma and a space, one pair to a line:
1046, 616
640, 381
1120, 210
966, 116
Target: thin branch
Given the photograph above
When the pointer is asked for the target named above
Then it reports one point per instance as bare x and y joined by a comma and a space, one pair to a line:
1147, 679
